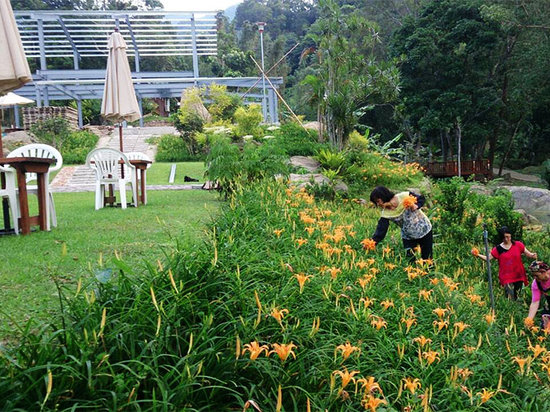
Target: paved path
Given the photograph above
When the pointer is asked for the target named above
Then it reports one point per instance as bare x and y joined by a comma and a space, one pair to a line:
135, 139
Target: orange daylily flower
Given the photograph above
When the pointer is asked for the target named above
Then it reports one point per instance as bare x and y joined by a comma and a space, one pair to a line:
521, 362
387, 303
301, 241
346, 376
422, 340
309, 230
464, 373
347, 349
469, 349
368, 244
279, 314
411, 384
361, 264
255, 349
371, 402
408, 322
390, 266
409, 202
440, 312
431, 356
302, 279
441, 324
278, 232
490, 318
434, 281
378, 322
283, 350
369, 384
334, 272
367, 301
386, 251
486, 394
537, 350
460, 326
425, 294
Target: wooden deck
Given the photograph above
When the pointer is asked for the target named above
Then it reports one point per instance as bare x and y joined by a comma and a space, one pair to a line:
481, 168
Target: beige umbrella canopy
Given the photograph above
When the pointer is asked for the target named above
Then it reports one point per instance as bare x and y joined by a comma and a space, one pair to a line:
14, 69
12, 99
119, 97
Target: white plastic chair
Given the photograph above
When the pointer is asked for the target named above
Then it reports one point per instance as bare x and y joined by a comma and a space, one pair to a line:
11, 193
140, 156
105, 163
47, 152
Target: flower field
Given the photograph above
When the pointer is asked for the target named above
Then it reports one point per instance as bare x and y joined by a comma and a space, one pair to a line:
288, 306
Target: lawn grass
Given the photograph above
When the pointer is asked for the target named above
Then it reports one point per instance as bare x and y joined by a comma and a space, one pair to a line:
159, 173
139, 235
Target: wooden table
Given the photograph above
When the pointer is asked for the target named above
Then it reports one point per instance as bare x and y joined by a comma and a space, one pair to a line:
141, 184
39, 166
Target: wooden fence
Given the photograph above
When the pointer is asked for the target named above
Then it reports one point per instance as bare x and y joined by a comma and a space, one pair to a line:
481, 168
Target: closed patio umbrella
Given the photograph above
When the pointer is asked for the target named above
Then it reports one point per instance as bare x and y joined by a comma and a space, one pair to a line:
119, 97
14, 68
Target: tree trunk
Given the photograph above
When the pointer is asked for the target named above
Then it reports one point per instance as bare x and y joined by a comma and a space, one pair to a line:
459, 146
509, 148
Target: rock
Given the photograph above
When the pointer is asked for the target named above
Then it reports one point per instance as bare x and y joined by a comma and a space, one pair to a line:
195, 106
313, 126
534, 201
341, 187
14, 140
527, 218
315, 178
308, 163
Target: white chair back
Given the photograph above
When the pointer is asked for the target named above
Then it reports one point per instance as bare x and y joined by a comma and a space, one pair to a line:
105, 162
39, 150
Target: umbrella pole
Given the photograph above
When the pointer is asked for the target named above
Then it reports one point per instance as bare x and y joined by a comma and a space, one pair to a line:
5, 203
121, 148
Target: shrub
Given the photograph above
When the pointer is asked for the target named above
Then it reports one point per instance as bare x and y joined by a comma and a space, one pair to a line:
297, 141
171, 148
73, 146
53, 131
230, 167
330, 159
223, 105
460, 212
77, 145
248, 120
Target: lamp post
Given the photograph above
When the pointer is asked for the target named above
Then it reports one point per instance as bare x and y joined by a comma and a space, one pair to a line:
261, 26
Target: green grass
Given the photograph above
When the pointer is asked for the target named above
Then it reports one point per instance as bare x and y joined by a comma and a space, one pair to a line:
159, 173
138, 234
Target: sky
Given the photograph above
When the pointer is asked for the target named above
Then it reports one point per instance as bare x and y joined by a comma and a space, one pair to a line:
198, 5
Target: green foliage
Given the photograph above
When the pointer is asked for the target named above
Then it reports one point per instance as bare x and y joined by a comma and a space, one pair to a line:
461, 212
296, 141
358, 141
77, 145
546, 172
330, 159
53, 131
248, 120
223, 105
172, 148
74, 146
230, 168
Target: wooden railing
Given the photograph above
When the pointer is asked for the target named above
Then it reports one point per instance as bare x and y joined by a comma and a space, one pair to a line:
467, 168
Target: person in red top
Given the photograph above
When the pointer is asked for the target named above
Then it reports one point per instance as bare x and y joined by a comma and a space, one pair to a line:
511, 272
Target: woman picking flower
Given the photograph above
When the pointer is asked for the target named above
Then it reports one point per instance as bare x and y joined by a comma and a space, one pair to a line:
403, 209
540, 287
511, 272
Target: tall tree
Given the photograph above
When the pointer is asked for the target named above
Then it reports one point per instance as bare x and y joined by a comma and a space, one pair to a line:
450, 89
351, 75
